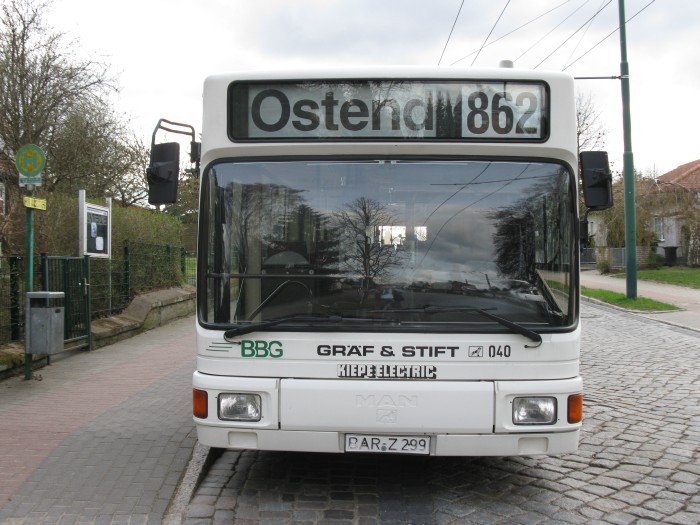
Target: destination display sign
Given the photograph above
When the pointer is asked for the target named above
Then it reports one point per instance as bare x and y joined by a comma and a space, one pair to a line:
470, 110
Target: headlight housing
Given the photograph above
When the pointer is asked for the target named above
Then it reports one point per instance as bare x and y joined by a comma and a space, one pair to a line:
534, 410
240, 407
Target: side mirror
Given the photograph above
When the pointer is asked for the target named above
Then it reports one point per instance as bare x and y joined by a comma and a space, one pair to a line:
596, 180
163, 173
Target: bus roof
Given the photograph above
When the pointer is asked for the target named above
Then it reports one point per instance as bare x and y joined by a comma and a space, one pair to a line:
336, 111
404, 72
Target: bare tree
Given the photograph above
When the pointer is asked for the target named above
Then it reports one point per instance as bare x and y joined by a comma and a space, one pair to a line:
95, 150
54, 99
129, 184
41, 81
590, 130
647, 196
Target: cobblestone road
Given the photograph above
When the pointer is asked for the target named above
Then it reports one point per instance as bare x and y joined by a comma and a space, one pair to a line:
637, 462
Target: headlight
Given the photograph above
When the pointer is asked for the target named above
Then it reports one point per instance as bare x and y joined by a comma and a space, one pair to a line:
240, 407
534, 410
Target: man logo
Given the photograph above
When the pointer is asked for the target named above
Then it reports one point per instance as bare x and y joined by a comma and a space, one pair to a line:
386, 401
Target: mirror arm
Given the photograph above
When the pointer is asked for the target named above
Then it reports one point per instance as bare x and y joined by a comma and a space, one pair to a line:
195, 147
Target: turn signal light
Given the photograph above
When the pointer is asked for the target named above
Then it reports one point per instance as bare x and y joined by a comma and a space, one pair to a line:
575, 409
199, 403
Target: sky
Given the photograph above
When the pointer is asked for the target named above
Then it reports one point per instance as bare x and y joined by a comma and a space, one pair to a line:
160, 52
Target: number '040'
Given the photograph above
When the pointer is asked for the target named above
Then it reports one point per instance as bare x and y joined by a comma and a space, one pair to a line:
499, 351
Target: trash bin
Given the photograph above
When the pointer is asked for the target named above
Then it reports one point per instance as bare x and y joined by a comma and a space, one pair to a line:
44, 323
670, 255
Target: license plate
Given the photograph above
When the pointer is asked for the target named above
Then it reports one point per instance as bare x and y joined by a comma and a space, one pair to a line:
387, 444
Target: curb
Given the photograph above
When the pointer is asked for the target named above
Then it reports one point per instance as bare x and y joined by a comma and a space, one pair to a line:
202, 458
642, 313
603, 303
145, 312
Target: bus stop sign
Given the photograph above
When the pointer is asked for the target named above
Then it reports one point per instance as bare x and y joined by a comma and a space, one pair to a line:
30, 161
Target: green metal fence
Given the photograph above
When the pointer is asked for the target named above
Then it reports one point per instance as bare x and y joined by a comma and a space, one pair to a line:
11, 298
113, 283
70, 275
188, 265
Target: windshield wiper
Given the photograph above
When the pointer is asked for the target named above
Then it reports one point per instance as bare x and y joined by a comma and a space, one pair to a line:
254, 327
512, 326
552, 307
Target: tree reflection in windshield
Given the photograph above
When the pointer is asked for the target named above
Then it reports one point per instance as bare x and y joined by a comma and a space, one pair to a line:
368, 244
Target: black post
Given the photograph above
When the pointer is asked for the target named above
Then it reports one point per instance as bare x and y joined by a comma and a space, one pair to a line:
45, 271
88, 298
169, 257
127, 273
14, 298
68, 308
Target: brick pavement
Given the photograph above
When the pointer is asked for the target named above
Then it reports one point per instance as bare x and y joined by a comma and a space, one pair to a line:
638, 461
103, 436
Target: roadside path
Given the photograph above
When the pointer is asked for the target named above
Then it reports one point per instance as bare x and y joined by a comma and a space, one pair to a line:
688, 299
102, 436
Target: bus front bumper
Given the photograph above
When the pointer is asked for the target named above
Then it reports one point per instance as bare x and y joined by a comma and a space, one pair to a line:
441, 444
448, 418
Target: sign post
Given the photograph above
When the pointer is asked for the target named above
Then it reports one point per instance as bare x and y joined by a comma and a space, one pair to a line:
30, 161
95, 233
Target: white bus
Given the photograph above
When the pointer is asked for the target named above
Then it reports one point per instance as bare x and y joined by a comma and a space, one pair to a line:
388, 261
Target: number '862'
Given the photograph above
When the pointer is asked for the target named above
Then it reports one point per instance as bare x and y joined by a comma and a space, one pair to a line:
496, 113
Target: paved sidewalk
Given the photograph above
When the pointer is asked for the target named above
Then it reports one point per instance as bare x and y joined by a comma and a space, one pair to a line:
688, 299
102, 436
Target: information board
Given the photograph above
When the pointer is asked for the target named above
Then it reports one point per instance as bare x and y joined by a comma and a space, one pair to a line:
95, 228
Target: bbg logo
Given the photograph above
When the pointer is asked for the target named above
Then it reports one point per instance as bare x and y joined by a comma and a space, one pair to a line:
257, 348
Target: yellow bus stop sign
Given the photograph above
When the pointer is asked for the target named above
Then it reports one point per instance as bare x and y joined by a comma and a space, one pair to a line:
37, 204
30, 161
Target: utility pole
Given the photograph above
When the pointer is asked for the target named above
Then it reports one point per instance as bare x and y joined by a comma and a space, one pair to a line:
628, 163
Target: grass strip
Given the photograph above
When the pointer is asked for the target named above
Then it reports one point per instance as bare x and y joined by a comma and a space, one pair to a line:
621, 300
678, 275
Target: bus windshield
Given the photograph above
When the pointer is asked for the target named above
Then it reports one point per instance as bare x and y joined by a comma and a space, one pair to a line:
400, 245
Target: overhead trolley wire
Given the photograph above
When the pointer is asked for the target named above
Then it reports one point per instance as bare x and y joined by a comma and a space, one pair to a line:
572, 34
551, 31
487, 36
608, 36
573, 51
450, 35
513, 31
